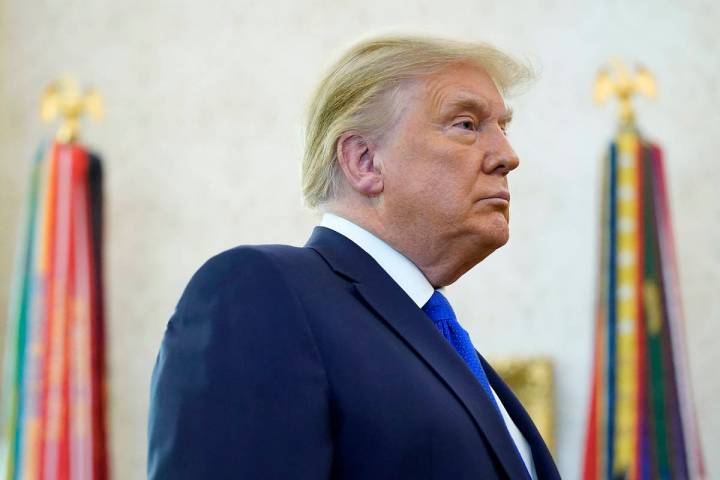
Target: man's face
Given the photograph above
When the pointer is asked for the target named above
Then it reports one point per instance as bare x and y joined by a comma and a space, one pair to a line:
445, 167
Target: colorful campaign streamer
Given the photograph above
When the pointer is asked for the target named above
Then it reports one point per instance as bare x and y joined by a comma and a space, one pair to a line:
53, 400
641, 422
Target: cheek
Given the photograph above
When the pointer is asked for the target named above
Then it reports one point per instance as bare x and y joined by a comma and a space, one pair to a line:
431, 175
454, 178
446, 198
409, 168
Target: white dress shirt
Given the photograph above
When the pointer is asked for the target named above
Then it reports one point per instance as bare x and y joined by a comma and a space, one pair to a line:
409, 277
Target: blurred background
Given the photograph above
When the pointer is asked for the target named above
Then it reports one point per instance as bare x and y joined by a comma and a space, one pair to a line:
203, 138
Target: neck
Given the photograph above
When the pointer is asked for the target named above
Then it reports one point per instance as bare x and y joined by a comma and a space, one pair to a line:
433, 255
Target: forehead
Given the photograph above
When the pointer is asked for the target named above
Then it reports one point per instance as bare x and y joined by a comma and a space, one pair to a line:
462, 85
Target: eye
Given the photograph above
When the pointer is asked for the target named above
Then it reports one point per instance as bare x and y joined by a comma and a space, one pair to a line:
465, 124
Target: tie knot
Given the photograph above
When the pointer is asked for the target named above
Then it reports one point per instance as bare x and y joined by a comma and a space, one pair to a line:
438, 307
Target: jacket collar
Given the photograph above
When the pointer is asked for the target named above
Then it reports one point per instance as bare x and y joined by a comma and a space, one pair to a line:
404, 318
402, 270
542, 458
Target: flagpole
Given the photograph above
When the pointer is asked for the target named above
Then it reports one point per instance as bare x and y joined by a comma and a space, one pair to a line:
641, 420
52, 415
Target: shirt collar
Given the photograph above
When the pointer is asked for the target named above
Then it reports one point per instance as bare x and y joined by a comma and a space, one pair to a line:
405, 273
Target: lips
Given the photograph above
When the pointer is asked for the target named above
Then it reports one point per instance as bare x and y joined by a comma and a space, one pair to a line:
501, 195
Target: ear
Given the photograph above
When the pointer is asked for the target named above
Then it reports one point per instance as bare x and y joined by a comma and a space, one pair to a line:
356, 157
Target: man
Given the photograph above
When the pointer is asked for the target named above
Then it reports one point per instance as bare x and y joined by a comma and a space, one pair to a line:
342, 360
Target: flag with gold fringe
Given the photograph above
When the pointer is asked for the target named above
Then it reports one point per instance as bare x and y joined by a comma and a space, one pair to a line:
53, 395
641, 421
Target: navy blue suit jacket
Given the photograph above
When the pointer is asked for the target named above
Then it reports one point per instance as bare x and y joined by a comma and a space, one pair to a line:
312, 363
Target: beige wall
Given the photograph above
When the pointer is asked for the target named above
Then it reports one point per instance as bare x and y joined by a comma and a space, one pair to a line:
202, 142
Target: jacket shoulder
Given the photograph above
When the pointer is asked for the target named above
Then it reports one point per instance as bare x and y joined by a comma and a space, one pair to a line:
263, 266
235, 358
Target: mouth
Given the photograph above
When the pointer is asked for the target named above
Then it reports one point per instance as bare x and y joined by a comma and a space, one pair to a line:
501, 196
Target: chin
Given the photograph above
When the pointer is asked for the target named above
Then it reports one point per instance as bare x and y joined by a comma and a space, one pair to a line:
497, 240
485, 236
487, 242
495, 233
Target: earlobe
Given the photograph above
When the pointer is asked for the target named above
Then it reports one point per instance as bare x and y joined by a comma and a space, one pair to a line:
356, 157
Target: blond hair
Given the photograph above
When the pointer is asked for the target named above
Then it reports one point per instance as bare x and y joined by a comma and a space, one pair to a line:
357, 95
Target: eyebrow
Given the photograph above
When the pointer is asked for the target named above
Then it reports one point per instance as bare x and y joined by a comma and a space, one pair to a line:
507, 118
478, 105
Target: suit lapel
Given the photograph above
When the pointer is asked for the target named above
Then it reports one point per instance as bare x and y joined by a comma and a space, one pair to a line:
544, 464
403, 317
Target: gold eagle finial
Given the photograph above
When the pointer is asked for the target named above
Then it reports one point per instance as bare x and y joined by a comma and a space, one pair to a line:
623, 84
64, 99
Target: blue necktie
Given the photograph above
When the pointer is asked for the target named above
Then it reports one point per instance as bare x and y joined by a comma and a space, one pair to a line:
441, 313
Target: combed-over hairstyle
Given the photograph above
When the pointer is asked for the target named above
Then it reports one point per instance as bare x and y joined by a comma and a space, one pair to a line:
357, 95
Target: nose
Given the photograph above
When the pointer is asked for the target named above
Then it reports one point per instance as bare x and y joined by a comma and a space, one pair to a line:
501, 159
